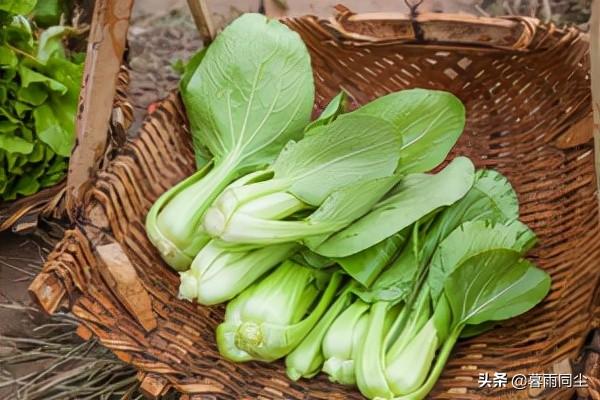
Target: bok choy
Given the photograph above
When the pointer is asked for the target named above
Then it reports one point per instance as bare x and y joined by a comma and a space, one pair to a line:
270, 318
478, 283
249, 94
218, 275
339, 170
391, 334
321, 169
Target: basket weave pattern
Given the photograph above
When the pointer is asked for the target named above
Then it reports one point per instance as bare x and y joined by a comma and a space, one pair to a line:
525, 87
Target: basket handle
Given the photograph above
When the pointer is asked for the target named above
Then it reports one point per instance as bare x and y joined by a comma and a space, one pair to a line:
595, 79
515, 33
591, 360
105, 50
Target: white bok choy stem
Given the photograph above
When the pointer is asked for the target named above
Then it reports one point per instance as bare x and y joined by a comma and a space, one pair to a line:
270, 318
218, 275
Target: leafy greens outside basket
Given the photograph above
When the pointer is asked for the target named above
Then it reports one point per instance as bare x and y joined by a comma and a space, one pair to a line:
21, 215
526, 89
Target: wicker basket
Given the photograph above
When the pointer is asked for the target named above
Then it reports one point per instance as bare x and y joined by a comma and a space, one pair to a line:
526, 89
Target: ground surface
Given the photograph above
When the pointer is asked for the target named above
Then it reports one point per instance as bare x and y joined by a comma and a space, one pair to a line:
162, 32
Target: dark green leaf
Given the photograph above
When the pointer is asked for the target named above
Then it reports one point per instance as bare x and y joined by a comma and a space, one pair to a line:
337, 106
50, 180
16, 161
347, 204
3, 182
59, 165
415, 196
18, 34
494, 285
396, 282
8, 57
15, 144
27, 185
34, 94
491, 198
26, 133
9, 116
37, 154
366, 265
21, 108
47, 12
29, 76
472, 238
8, 127
17, 6
50, 130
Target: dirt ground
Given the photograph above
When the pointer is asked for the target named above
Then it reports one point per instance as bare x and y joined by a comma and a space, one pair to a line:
163, 32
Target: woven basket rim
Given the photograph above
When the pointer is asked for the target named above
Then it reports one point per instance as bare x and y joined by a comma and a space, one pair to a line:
501, 32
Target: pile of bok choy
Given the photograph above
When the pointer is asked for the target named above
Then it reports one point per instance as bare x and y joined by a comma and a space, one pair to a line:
337, 246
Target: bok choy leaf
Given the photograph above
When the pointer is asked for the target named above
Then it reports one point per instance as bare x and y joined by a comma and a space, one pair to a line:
414, 197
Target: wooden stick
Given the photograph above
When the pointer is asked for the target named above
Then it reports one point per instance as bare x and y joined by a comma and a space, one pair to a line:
105, 49
595, 78
203, 19
120, 275
591, 366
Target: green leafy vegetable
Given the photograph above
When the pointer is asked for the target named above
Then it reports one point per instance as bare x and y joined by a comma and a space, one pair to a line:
338, 250
249, 94
415, 196
218, 275
306, 360
269, 319
39, 92
340, 171
337, 106
476, 275
491, 198
312, 172
473, 237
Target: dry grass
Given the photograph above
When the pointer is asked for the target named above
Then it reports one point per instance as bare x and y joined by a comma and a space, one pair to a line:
41, 357
64, 367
